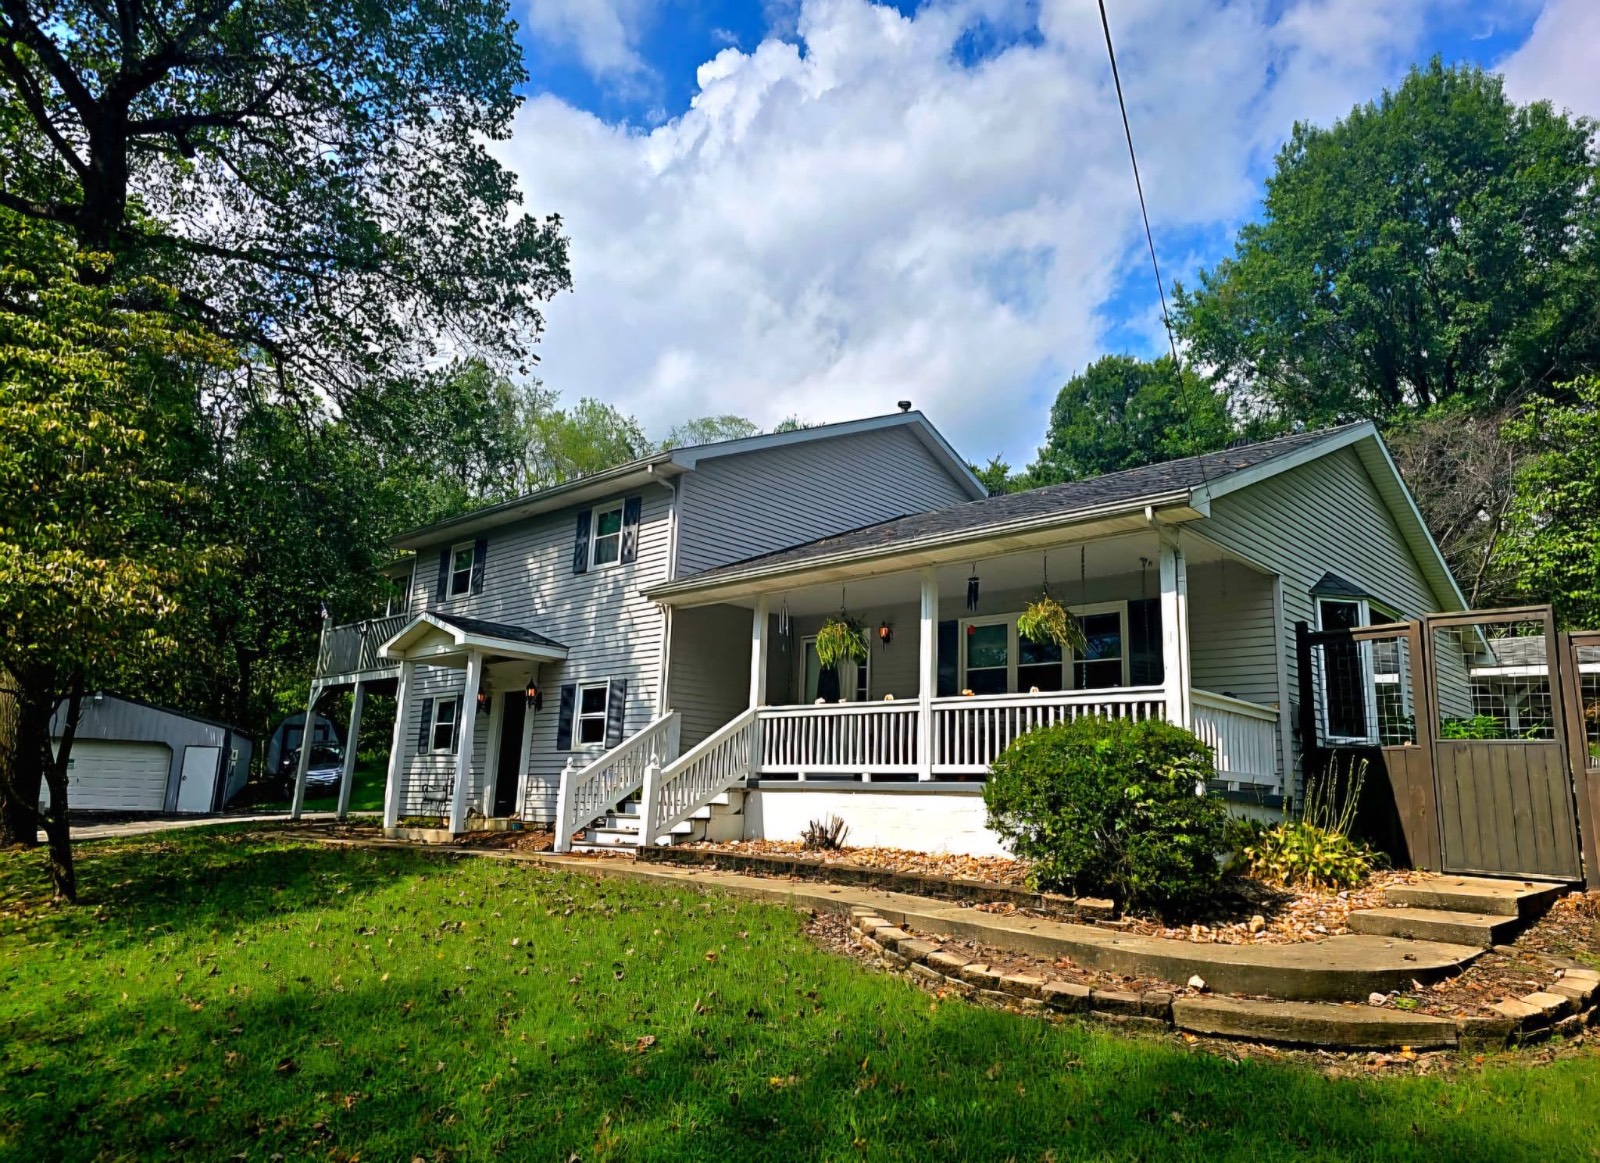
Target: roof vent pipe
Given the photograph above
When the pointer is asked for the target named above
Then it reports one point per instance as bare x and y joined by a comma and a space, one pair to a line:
905, 405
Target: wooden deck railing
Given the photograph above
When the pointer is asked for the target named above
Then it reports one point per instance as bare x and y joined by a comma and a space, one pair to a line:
353, 647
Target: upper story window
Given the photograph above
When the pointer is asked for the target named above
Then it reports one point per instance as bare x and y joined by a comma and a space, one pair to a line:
605, 547
460, 570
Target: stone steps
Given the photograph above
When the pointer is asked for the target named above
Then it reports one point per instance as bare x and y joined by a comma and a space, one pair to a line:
1480, 929
1524, 899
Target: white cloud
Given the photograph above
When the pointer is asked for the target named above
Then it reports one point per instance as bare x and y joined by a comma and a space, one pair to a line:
604, 33
858, 217
1560, 59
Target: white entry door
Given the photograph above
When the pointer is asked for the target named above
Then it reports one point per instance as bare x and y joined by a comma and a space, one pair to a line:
199, 784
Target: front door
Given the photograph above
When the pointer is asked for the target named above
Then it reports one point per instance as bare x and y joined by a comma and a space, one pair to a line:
512, 715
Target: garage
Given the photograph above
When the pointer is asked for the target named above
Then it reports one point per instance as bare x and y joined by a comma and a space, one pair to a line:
133, 756
113, 775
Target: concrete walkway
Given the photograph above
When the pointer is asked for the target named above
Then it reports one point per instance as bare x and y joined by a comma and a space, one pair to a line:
176, 823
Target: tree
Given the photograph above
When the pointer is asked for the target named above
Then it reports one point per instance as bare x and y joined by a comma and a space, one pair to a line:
709, 430
1462, 473
997, 478
315, 178
1122, 412
592, 437
1437, 244
1553, 525
94, 376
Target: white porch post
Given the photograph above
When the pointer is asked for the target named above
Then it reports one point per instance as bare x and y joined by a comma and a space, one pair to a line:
491, 753
563, 841
649, 809
464, 741
525, 755
307, 734
397, 746
352, 741
758, 653
1175, 634
927, 671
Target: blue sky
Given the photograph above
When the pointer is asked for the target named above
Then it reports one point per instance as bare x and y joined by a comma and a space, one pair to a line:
817, 207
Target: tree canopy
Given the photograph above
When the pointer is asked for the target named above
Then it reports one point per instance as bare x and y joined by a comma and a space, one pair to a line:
314, 179
1441, 243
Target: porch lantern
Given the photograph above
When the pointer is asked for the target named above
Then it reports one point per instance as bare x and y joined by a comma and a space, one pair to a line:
535, 697
483, 702
885, 633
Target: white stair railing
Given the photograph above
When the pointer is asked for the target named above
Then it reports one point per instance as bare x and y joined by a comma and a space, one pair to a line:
676, 791
588, 793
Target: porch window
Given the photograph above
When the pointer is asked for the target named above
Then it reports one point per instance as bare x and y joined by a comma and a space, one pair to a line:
996, 660
605, 547
989, 656
461, 570
444, 722
1103, 660
592, 705
849, 681
1349, 695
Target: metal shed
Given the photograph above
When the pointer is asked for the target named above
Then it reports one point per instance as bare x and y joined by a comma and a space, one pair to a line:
286, 738
132, 756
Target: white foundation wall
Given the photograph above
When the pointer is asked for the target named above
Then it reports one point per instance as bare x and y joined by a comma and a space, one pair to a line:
898, 816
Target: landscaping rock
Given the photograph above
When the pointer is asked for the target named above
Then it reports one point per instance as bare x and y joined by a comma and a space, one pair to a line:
1023, 984
981, 976
1517, 1011
947, 963
1067, 996
1312, 1023
1484, 1033
1550, 1005
1156, 1003
913, 949
1115, 1001
930, 975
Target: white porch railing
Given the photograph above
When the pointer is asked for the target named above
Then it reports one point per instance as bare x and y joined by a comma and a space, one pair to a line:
590, 792
675, 792
1244, 737
839, 739
970, 732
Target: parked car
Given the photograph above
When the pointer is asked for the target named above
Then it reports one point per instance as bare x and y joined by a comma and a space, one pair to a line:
322, 773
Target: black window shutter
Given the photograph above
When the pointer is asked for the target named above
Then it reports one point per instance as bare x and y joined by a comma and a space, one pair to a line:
480, 554
424, 731
569, 706
580, 544
1145, 658
632, 507
616, 706
949, 659
442, 591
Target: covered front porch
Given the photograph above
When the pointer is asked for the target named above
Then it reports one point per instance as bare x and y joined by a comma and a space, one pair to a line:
1175, 629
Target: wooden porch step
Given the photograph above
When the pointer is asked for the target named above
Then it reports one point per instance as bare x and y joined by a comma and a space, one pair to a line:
1480, 929
1527, 899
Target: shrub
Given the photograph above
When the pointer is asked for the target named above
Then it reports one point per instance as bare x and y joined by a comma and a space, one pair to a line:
824, 835
1109, 807
1313, 848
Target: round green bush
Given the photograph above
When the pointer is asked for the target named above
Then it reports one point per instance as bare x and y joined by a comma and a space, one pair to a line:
1108, 807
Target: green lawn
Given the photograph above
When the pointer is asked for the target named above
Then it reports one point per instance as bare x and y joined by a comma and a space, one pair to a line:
366, 794
220, 997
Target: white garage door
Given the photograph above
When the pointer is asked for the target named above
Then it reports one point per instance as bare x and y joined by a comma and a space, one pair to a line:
104, 775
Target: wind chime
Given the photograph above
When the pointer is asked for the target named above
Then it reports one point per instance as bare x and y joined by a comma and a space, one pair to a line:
783, 624
972, 590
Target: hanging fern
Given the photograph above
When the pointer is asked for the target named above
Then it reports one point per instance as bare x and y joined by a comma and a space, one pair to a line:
1047, 620
839, 639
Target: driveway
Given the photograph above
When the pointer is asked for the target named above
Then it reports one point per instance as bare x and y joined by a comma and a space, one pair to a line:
109, 831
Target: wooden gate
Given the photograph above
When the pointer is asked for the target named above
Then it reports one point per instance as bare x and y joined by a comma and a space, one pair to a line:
1486, 727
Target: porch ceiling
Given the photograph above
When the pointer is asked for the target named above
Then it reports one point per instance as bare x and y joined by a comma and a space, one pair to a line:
1117, 556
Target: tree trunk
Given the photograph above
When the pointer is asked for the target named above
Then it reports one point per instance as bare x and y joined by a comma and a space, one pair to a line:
18, 823
57, 831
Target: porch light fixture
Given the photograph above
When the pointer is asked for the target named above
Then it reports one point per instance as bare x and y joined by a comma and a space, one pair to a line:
535, 696
483, 702
885, 633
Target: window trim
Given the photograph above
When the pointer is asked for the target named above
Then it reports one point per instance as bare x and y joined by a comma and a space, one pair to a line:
1369, 682
619, 508
471, 550
453, 722
578, 715
810, 641
1068, 657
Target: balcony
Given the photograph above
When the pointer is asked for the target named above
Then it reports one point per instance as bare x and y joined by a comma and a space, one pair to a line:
351, 651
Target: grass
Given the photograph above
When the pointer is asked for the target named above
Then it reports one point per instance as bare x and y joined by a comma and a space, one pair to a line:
366, 793
218, 996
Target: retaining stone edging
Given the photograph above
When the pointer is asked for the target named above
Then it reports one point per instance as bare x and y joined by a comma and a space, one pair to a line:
1565, 1008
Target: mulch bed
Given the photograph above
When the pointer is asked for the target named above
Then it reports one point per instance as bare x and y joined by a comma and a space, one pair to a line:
994, 869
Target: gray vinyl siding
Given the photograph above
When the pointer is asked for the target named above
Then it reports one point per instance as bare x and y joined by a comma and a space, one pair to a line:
1325, 516
610, 629
709, 675
1233, 640
734, 507
107, 717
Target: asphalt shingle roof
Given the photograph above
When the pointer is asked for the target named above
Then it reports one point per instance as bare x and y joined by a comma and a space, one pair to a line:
496, 630
1128, 487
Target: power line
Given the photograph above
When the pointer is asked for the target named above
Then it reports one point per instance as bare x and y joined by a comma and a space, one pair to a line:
1138, 185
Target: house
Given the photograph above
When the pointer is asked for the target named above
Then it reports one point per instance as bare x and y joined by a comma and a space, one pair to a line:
632, 654
132, 756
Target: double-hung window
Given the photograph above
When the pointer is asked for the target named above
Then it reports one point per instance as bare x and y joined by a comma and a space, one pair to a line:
605, 547
593, 704
997, 660
460, 570
443, 737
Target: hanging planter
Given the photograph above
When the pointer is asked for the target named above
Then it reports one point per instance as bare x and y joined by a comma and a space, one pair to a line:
1047, 620
840, 639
